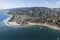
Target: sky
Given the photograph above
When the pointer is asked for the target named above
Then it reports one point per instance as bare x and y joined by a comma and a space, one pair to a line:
7, 4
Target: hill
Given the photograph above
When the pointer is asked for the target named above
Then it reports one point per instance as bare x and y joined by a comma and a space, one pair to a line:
37, 14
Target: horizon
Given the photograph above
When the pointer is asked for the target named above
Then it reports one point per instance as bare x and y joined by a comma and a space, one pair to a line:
27, 7
8, 4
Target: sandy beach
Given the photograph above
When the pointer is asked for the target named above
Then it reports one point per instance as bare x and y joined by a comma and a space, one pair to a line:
52, 27
29, 24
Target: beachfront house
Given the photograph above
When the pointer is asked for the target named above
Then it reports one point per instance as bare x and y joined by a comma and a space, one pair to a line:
22, 20
18, 21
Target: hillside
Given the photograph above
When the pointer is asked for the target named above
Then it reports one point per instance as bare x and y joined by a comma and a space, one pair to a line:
37, 14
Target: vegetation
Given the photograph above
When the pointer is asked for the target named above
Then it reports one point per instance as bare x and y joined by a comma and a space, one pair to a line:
37, 14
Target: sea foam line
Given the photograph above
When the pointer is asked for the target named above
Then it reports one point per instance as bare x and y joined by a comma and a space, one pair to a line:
6, 20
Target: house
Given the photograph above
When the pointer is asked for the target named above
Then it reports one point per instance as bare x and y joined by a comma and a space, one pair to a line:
18, 21
21, 20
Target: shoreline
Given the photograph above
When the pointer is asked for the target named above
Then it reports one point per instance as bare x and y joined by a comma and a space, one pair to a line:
52, 27
6, 20
29, 24
33, 24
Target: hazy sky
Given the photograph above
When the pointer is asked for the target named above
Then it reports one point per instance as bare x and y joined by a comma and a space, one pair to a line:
6, 4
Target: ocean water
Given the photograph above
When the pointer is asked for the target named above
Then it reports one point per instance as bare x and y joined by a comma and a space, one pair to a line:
29, 33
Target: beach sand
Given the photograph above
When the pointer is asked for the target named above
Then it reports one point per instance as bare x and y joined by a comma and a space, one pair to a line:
29, 24
32, 24
13, 23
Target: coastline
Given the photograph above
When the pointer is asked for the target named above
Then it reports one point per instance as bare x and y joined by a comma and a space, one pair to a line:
29, 24
52, 27
5, 21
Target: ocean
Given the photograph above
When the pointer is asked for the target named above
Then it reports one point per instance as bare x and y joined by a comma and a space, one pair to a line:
26, 33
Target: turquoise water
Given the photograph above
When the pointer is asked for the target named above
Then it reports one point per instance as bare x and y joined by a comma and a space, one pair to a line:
21, 33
